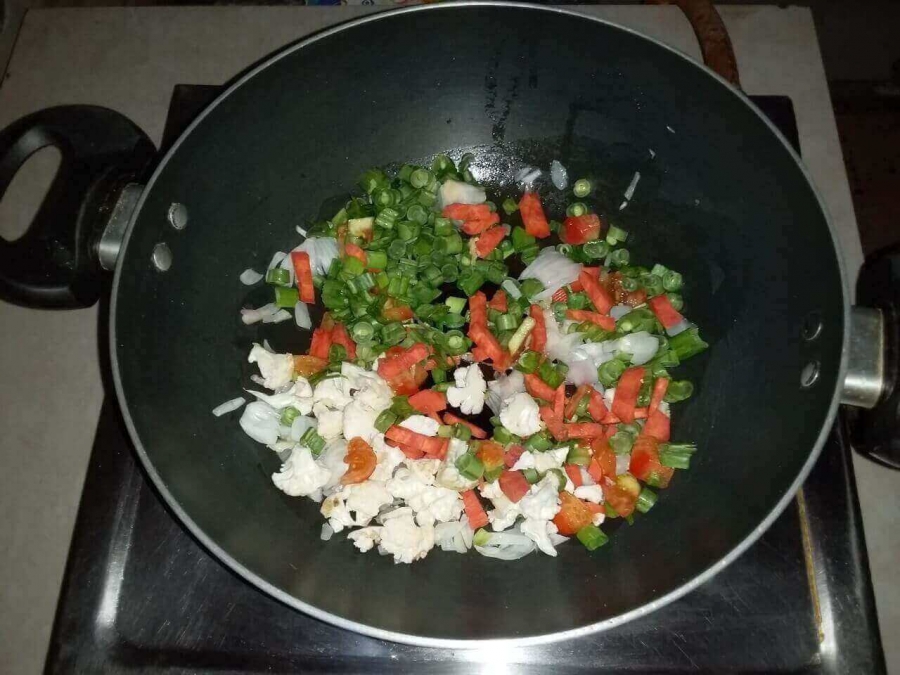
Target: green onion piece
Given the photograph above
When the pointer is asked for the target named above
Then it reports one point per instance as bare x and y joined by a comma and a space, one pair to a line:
442, 227
528, 362
521, 239
578, 455
577, 209
340, 218
531, 476
578, 300
615, 235
507, 322
610, 510
393, 333
652, 284
539, 442
481, 538
376, 260
502, 435
337, 353
387, 218
288, 415
676, 301
470, 466
672, 281
609, 372
439, 375
595, 250
582, 188
445, 431
401, 408
619, 257
510, 206
362, 331
352, 267
645, 500
551, 374
530, 287
397, 249
679, 391
687, 344
385, 421
469, 282
676, 455
278, 276
286, 297
313, 441
592, 537
565, 249
633, 428
644, 393
462, 432
455, 342
442, 387
490, 475
621, 442
641, 319
522, 332
372, 180
630, 284
419, 178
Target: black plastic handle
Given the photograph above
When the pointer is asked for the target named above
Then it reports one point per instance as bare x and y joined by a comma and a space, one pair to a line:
875, 433
54, 265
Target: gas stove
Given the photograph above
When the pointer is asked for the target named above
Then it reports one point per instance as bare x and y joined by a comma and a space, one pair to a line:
140, 594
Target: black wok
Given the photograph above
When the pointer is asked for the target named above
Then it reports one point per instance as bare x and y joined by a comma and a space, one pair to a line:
724, 200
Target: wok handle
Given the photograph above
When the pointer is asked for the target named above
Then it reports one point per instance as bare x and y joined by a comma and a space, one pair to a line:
875, 429
715, 44
54, 264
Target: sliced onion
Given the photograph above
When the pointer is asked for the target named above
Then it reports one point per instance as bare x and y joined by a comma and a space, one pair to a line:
277, 259
527, 175
322, 252
258, 379
618, 311
679, 327
640, 345
327, 532
552, 269
559, 345
249, 277
556, 539
251, 316
277, 317
629, 191
301, 315
300, 230
511, 289
510, 545
558, 175
228, 406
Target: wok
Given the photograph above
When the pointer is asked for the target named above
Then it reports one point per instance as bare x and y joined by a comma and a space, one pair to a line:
722, 198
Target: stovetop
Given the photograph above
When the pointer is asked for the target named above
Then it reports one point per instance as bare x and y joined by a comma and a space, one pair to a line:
141, 595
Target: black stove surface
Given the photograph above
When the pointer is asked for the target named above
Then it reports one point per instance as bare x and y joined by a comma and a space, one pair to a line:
141, 595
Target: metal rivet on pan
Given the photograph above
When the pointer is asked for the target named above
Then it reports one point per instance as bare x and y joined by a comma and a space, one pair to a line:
809, 375
162, 257
812, 326
178, 216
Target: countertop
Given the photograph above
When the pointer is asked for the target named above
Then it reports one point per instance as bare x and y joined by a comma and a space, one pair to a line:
129, 59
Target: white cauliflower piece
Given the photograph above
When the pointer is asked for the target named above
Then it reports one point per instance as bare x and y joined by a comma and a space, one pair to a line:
405, 540
520, 415
371, 389
421, 425
388, 458
405, 484
502, 388
365, 538
448, 475
299, 396
542, 501
332, 458
539, 532
424, 469
335, 509
414, 484
590, 493
468, 394
261, 422
334, 392
366, 499
330, 422
542, 462
359, 420
505, 512
301, 475
276, 369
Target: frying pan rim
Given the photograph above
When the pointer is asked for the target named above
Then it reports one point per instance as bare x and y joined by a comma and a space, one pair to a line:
424, 641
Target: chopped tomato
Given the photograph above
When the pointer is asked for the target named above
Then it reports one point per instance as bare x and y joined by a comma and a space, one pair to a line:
396, 312
408, 450
559, 401
489, 344
658, 426
490, 454
577, 230
620, 498
597, 407
574, 474
627, 392
479, 355
435, 447
408, 437
354, 251
539, 332
645, 462
659, 393
572, 516
306, 366
499, 301
554, 424
604, 456
581, 315
584, 430
594, 471
599, 296
668, 316
340, 336
489, 240
477, 310
408, 382
474, 510
572, 405
303, 272
360, 461
561, 295
612, 418
538, 388
477, 432
533, 216
429, 401
321, 343
466, 212
513, 485
404, 359
512, 455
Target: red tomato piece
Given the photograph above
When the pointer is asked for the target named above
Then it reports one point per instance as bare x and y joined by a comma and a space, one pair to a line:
572, 516
645, 464
581, 315
428, 401
577, 230
668, 316
303, 272
514, 485
533, 216
489, 240
451, 419
539, 332
538, 388
574, 474
627, 392
658, 426
360, 461
600, 297
499, 301
474, 510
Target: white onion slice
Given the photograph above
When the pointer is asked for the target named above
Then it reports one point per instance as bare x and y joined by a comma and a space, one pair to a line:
552, 269
507, 546
250, 316
558, 175
277, 259
629, 191
277, 317
679, 327
249, 277
228, 406
511, 289
327, 532
301, 315
618, 311
640, 345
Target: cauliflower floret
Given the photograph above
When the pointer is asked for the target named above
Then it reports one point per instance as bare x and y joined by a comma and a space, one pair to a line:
299, 395
405, 540
371, 389
468, 394
301, 475
542, 461
388, 458
539, 532
332, 458
333, 392
414, 484
520, 414
261, 422
359, 420
503, 388
590, 493
276, 369
330, 422
366, 500
542, 501
505, 512
365, 538
424, 469
405, 484
421, 425
335, 509
448, 475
